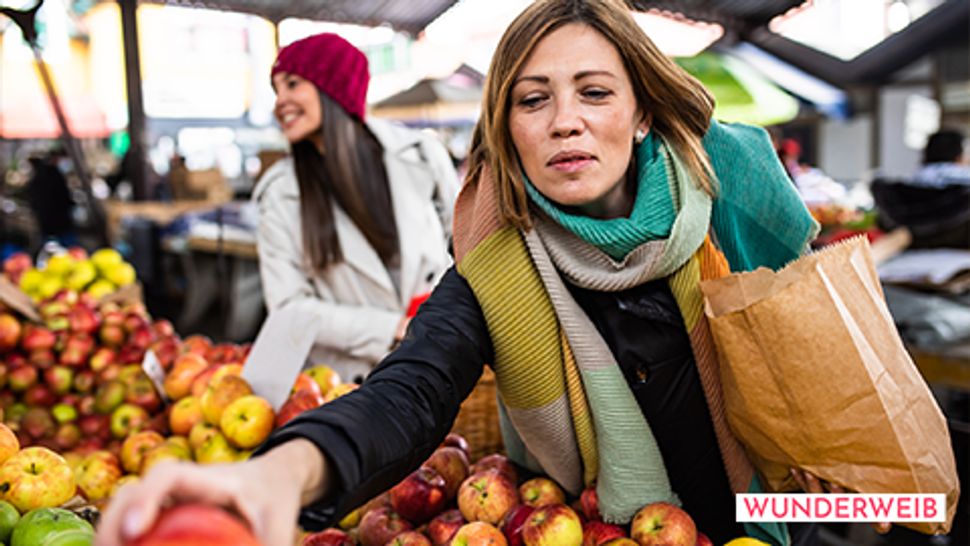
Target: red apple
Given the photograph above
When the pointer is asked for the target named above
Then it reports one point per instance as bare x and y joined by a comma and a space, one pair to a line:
478, 533
163, 328
624, 541
22, 378
196, 525
59, 379
129, 353
540, 492
101, 358
199, 345
512, 527
663, 524
10, 330
97, 475
589, 501
500, 463
325, 376
95, 426
36, 477
379, 526
702, 540
42, 358
81, 318
15, 265
37, 338
142, 338
452, 464
135, 447
487, 496
597, 533
444, 526
141, 392
84, 381
111, 335
178, 382
328, 537
38, 423
295, 405
39, 395
553, 525
306, 383
420, 496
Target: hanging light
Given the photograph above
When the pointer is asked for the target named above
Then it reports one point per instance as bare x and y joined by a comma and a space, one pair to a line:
897, 16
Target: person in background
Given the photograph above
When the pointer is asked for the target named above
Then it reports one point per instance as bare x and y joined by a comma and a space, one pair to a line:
354, 226
944, 162
600, 194
50, 198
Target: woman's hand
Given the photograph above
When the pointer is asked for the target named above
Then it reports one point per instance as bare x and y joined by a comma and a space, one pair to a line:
267, 492
810, 483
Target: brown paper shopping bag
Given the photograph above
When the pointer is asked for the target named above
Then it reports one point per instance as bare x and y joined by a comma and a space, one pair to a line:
816, 377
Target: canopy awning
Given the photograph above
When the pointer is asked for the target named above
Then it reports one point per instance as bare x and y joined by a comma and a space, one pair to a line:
410, 16
742, 94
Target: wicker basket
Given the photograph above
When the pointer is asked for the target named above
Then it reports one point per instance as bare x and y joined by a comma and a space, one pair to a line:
477, 420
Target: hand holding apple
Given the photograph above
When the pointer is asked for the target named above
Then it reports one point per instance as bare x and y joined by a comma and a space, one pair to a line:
266, 491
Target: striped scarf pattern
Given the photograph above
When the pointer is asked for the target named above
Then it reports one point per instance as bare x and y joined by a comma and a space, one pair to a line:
570, 411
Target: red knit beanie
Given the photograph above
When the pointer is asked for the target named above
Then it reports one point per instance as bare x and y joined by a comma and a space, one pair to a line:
333, 65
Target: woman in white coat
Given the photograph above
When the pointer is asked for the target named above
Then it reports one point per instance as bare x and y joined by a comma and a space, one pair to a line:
354, 226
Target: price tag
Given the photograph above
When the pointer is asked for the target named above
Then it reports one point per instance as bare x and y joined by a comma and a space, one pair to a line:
153, 369
279, 353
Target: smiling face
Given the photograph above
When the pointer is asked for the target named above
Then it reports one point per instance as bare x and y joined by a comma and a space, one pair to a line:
573, 118
298, 108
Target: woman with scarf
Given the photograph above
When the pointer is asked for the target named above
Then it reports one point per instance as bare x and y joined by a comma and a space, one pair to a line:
600, 194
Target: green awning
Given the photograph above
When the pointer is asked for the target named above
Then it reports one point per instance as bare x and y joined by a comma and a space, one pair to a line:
741, 92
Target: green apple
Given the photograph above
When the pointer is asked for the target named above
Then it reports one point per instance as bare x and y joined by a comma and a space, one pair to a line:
9, 516
51, 526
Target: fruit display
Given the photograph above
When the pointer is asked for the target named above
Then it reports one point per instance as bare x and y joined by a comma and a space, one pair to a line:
97, 275
80, 415
449, 501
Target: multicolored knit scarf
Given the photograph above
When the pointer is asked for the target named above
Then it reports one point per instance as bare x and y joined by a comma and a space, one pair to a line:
569, 410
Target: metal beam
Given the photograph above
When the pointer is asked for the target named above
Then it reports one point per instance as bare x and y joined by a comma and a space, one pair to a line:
875, 66
137, 173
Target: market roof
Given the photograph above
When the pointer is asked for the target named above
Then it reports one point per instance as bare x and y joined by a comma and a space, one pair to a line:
410, 16
738, 15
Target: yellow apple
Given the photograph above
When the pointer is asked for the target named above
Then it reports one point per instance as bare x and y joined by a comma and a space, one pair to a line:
220, 394
247, 421
36, 477
216, 449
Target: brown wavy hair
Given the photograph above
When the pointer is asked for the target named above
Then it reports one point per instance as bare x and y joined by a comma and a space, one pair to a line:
681, 107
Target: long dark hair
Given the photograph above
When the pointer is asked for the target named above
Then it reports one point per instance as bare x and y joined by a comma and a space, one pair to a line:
350, 171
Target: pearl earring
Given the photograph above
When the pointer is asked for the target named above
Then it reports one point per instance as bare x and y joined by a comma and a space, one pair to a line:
639, 136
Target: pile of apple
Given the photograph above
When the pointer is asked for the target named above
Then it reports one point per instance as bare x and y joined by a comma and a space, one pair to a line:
33, 481
449, 502
75, 381
98, 275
